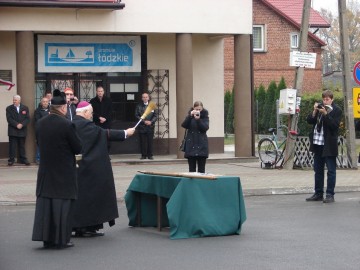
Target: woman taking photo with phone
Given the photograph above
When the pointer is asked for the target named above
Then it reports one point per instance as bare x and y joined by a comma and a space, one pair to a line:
196, 146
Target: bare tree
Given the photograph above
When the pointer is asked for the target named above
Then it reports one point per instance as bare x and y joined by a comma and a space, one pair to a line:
331, 55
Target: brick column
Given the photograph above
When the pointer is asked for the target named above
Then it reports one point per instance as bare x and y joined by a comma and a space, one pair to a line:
25, 74
244, 139
184, 83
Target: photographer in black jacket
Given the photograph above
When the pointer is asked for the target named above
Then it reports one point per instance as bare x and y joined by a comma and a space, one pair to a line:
325, 118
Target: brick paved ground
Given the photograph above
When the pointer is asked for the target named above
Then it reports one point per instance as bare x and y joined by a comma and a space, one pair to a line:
17, 183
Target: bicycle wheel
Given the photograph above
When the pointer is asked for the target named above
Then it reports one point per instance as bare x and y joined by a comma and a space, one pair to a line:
267, 151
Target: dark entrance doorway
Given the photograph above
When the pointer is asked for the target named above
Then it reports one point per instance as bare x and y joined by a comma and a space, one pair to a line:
124, 89
125, 93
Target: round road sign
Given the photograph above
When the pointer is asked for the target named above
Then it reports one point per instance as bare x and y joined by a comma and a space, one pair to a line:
356, 72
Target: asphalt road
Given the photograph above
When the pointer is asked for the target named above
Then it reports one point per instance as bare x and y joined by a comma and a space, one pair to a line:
281, 232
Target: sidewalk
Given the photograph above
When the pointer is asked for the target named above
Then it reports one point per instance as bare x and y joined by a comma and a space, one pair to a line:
17, 183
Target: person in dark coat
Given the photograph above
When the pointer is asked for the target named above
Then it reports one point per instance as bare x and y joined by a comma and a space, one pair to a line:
96, 203
357, 128
196, 141
325, 118
72, 101
56, 187
146, 127
49, 97
102, 107
18, 118
40, 112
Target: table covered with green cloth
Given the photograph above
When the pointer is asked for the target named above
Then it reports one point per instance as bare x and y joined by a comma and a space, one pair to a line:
191, 207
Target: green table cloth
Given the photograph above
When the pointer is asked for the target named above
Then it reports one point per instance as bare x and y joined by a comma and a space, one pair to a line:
191, 207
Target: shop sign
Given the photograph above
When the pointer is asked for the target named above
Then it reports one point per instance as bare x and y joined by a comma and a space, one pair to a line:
58, 53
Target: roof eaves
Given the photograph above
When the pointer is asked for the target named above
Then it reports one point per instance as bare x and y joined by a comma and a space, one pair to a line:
293, 22
114, 5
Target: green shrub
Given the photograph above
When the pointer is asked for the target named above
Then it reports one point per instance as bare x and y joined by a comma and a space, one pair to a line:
229, 112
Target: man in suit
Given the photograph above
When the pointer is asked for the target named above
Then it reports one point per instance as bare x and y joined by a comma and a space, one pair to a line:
146, 127
56, 187
102, 107
18, 118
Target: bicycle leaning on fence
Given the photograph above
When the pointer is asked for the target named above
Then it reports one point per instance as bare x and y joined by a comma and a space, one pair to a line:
271, 150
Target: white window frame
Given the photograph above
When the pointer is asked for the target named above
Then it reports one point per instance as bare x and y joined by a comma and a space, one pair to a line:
262, 47
294, 44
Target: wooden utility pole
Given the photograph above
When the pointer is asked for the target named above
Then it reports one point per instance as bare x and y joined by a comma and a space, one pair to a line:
299, 76
346, 79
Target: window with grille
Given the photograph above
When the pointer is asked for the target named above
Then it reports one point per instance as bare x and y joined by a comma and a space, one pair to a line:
259, 38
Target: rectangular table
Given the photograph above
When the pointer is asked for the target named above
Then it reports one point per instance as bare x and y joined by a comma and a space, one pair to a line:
191, 207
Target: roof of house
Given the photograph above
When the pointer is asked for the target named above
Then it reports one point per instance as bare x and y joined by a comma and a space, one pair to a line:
292, 12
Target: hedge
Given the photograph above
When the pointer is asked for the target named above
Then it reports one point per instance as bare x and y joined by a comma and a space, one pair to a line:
265, 109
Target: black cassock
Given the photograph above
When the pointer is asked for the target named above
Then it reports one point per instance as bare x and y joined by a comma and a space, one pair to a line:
96, 203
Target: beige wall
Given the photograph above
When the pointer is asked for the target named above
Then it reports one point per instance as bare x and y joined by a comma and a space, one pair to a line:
208, 75
138, 16
7, 62
208, 68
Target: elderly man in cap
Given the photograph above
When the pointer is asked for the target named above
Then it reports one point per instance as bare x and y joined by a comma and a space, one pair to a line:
56, 187
96, 202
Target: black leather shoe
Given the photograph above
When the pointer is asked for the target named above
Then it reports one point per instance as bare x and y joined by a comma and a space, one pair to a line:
143, 158
48, 244
27, 163
150, 157
67, 245
10, 163
316, 197
93, 234
329, 199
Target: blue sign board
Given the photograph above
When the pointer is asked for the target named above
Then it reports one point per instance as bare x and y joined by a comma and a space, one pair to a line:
86, 54
60, 53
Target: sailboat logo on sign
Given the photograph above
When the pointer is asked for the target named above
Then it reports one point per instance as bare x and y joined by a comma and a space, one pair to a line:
59, 54
356, 73
88, 54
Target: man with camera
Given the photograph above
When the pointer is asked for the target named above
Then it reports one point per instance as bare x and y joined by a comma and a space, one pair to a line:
71, 101
325, 118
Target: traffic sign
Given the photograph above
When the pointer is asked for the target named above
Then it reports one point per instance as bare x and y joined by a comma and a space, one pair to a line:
356, 102
356, 72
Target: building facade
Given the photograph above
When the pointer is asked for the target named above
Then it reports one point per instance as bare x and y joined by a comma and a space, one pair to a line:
172, 49
276, 32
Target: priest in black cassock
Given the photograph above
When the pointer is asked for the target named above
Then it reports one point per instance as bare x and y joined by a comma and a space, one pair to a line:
96, 203
56, 187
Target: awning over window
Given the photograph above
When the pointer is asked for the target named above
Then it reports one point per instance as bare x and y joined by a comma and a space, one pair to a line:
93, 4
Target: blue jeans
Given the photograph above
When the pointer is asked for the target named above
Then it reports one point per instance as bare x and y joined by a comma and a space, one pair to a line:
37, 157
319, 167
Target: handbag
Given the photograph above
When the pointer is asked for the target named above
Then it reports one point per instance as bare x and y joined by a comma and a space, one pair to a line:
183, 142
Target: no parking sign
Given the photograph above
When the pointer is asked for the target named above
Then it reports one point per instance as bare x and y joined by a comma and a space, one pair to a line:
356, 72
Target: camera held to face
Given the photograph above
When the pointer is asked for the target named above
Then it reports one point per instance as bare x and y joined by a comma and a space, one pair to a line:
320, 106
